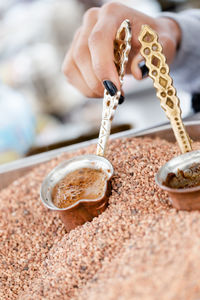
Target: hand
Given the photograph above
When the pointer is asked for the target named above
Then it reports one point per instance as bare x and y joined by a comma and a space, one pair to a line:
89, 61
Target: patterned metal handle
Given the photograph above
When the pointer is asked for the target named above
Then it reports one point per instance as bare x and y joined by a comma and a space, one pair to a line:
122, 46
151, 50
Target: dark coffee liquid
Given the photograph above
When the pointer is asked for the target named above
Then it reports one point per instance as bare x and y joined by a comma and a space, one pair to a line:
184, 178
80, 184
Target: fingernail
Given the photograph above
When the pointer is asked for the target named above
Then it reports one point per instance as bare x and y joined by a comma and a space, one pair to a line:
110, 87
121, 99
143, 68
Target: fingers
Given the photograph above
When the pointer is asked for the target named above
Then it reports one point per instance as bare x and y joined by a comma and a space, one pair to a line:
102, 37
139, 68
77, 66
82, 55
73, 73
135, 67
101, 48
74, 76
90, 61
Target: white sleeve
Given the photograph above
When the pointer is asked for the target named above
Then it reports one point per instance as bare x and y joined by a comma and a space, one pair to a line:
185, 68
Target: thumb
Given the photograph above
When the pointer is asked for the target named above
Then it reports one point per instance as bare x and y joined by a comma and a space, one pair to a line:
138, 67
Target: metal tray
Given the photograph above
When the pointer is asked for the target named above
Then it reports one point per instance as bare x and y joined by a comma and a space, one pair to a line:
11, 171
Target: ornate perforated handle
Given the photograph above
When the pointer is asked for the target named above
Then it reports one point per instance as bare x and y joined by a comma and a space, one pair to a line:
151, 50
122, 46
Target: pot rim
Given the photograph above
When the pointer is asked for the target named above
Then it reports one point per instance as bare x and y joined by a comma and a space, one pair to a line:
186, 156
47, 185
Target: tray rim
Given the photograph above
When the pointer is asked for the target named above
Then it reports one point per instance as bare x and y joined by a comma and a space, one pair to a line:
36, 159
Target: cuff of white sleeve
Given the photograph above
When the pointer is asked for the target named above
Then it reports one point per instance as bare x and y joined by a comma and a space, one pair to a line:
188, 28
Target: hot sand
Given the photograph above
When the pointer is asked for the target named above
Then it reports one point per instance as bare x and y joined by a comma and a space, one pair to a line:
139, 248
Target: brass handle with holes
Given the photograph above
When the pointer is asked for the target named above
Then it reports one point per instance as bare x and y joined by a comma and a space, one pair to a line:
151, 50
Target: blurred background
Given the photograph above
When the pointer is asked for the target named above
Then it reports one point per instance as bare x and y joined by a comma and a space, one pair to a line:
39, 110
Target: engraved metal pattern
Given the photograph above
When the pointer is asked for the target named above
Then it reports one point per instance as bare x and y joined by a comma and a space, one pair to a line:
151, 50
122, 46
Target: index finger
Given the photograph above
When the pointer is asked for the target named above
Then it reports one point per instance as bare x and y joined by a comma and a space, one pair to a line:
101, 45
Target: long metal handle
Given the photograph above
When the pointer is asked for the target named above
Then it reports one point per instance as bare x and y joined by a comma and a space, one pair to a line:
122, 46
151, 50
